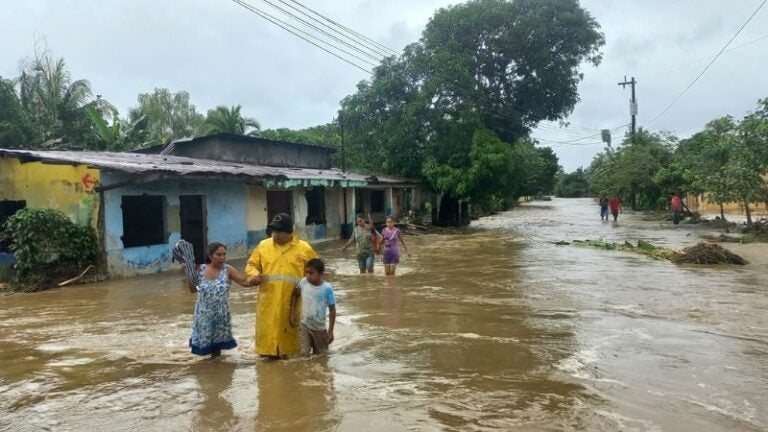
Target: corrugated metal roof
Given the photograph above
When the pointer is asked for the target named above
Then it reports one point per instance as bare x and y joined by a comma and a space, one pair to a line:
142, 164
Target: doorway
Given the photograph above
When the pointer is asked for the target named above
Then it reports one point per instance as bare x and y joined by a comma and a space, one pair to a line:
193, 226
279, 202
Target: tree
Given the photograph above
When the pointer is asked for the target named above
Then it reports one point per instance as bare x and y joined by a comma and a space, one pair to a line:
327, 135
747, 167
55, 102
16, 127
488, 66
168, 116
539, 172
630, 170
572, 185
700, 161
114, 136
514, 62
229, 120
491, 163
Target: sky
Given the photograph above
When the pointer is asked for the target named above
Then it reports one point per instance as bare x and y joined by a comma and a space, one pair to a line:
222, 54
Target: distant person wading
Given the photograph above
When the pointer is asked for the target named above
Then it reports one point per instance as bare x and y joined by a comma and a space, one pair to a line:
615, 205
676, 205
364, 235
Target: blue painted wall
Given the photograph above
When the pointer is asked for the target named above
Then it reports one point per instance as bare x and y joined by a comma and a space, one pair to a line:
225, 202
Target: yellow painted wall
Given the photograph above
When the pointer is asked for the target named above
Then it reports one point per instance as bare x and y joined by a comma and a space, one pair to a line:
67, 188
701, 203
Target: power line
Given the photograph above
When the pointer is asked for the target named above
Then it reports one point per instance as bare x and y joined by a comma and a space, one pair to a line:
546, 125
374, 56
695, 62
578, 142
377, 44
517, 116
349, 34
293, 30
680, 96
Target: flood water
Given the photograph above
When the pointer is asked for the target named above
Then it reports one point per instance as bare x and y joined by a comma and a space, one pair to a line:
498, 329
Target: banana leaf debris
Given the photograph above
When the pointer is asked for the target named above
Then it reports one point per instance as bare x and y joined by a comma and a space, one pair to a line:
702, 253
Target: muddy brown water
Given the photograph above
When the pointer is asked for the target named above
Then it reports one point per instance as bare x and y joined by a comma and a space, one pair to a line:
494, 330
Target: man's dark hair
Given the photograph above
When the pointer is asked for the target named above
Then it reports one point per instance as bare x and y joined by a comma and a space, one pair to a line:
317, 264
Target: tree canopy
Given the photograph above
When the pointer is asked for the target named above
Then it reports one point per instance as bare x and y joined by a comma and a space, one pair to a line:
727, 161
458, 106
168, 116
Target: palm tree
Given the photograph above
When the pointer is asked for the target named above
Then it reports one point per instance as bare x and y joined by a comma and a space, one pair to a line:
49, 95
229, 120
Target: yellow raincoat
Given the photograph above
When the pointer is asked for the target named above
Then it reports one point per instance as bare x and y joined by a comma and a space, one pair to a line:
281, 266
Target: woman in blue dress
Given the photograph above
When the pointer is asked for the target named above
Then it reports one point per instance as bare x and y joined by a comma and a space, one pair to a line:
212, 326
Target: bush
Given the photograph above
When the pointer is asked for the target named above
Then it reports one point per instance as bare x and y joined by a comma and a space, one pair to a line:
48, 246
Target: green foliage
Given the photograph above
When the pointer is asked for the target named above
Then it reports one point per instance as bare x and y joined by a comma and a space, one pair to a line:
327, 135
537, 171
115, 136
16, 127
229, 120
110, 137
165, 116
46, 242
630, 170
727, 160
572, 185
56, 103
458, 105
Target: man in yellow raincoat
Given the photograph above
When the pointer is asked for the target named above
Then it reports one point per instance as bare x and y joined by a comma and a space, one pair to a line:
278, 264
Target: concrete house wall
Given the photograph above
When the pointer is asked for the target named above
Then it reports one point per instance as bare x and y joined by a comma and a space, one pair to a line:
235, 205
225, 213
67, 188
259, 151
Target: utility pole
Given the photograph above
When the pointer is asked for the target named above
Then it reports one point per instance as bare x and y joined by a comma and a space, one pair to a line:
344, 230
341, 133
632, 104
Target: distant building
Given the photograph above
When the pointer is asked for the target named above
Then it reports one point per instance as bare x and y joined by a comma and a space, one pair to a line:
142, 203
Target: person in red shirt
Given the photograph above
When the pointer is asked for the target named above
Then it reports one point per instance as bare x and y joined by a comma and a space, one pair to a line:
615, 205
676, 205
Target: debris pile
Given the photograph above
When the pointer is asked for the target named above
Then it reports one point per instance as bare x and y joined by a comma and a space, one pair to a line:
704, 253
758, 232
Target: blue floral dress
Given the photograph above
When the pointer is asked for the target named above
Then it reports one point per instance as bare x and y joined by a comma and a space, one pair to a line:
212, 326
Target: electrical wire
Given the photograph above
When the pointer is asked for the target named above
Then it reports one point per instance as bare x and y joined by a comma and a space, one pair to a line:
372, 55
289, 28
695, 62
680, 96
512, 116
377, 44
577, 143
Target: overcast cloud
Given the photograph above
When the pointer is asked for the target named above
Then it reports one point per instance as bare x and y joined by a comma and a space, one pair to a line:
224, 55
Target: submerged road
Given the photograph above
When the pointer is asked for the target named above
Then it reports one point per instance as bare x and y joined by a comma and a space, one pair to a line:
497, 329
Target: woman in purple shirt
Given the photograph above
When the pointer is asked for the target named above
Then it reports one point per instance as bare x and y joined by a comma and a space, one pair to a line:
390, 235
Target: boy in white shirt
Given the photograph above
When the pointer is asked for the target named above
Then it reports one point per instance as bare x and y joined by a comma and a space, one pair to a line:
316, 296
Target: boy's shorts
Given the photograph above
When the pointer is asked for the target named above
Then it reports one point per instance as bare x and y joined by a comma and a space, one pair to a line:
312, 341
